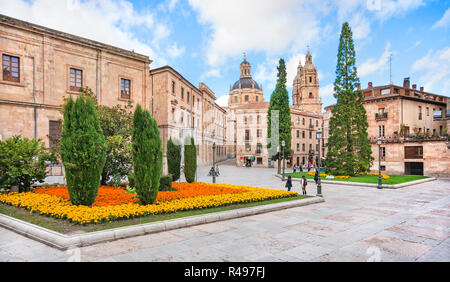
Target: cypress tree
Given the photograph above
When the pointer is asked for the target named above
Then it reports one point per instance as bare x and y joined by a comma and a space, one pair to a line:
279, 101
83, 150
190, 160
173, 159
147, 156
349, 149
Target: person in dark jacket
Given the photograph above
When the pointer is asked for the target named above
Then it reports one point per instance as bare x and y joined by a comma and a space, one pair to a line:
289, 183
316, 175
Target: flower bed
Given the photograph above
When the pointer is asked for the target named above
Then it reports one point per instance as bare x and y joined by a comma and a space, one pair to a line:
54, 202
383, 176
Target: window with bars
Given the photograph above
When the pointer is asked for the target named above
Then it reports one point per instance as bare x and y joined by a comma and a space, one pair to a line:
11, 68
76, 79
54, 133
125, 88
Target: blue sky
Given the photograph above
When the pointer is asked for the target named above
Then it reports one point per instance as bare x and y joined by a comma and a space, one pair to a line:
205, 40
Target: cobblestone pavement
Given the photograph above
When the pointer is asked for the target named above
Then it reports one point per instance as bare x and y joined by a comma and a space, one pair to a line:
354, 224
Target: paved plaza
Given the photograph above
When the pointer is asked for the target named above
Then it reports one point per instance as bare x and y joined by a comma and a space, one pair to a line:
354, 223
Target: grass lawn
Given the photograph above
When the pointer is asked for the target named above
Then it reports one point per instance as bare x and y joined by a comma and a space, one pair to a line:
66, 227
394, 179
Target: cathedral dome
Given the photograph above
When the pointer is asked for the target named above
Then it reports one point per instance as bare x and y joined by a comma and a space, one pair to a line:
245, 82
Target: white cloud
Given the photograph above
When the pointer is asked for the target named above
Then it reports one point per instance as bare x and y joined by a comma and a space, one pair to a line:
107, 21
433, 71
444, 21
373, 65
212, 73
222, 100
326, 91
268, 26
174, 51
291, 68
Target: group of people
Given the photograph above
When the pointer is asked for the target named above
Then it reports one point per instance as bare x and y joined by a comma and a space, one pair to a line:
303, 181
214, 170
300, 168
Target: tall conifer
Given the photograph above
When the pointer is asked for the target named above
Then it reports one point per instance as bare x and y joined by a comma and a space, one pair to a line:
147, 156
279, 101
349, 149
83, 150
173, 159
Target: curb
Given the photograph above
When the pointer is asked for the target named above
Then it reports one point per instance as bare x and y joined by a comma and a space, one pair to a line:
65, 242
396, 186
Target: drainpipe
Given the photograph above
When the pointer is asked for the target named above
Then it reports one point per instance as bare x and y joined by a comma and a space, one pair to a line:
34, 98
96, 75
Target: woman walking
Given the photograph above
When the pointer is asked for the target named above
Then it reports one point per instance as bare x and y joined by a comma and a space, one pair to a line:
289, 183
304, 182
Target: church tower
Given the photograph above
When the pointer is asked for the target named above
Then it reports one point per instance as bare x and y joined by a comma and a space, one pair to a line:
305, 93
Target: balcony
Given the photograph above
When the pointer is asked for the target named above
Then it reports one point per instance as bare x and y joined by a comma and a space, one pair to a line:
381, 116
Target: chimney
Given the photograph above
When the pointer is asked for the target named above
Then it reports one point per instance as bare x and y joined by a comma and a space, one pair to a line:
414, 86
406, 83
370, 85
421, 88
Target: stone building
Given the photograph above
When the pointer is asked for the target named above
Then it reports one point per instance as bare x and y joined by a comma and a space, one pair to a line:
413, 126
247, 118
42, 66
183, 110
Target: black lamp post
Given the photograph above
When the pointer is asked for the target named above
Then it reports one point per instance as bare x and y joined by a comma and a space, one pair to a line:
379, 163
214, 163
319, 185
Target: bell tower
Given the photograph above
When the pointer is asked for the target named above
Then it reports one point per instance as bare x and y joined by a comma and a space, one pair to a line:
245, 69
305, 93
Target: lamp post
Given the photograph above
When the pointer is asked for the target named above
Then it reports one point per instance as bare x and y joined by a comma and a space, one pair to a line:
214, 163
379, 163
319, 185
283, 143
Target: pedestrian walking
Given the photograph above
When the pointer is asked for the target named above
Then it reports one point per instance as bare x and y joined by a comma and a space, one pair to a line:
316, 176
217, 170
289, 183
295, 168
301, 168
304, 182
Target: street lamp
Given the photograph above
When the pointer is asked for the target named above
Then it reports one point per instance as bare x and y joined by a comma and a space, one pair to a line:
379, 163
214, 163
283, 143
319, 185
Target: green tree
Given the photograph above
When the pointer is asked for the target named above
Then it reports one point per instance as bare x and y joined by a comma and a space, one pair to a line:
147, 156
279, 101
190, 160
173, 159
116, 123
23, 162
349, 149
82, 149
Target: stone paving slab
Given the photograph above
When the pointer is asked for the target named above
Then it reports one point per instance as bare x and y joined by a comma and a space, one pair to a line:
354, 224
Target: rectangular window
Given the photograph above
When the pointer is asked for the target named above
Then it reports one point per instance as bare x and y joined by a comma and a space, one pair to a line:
303, 134
413, 152
259, 148
188, 97
259, 133
298, 133
383, 152
298, 146
303, 147
420, 112
76, 79
259, 161
381, 130
247, 135
173, 87
310, 135
125, 87
246, 98
11, 68
182, 93
54, 133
